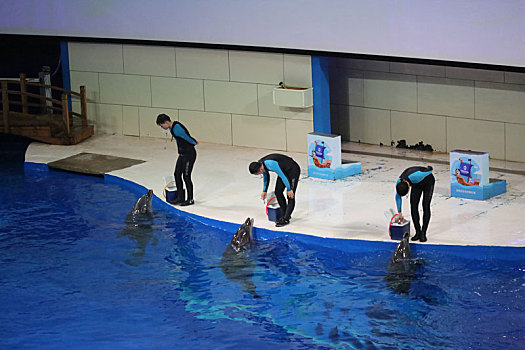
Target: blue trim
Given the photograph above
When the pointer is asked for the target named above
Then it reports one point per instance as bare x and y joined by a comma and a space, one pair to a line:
31, 167
66, 77
321, 94
341, 244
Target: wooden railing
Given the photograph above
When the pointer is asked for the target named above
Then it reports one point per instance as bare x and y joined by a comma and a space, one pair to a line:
61, 106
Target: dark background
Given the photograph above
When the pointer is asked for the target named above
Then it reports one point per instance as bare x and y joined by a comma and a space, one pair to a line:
27, 54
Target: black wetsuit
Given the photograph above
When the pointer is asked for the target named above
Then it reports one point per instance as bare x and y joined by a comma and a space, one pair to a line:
422, 182
288, 172
187, 156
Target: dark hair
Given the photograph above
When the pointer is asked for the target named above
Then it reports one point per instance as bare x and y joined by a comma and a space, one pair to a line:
162, 118
254, 167
402, 188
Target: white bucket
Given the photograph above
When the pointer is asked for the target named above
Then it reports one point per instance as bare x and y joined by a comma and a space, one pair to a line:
273, 210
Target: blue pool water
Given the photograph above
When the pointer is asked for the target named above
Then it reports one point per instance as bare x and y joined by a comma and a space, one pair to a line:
75, 276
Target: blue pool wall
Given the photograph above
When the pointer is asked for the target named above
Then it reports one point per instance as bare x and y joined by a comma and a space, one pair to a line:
346, 245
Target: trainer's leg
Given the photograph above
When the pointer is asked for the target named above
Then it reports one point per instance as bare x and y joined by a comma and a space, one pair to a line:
428, 191
179, 166
279, 189
189, 161
294, 181
415, 197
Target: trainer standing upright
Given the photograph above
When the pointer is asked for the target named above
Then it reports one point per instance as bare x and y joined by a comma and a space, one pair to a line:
288, 172
187, 156
421, 182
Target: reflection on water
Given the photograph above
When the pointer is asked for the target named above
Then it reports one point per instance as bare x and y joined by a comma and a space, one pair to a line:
238, 267
142, 234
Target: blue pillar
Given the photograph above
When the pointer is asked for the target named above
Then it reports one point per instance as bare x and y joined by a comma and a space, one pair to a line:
321, 93
66, 79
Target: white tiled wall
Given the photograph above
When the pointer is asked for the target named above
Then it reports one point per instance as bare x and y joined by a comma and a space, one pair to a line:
369, 125
514, 136
208, 127
447, 107
177, 93
265, 68
86, 57
130, 120
202, 64
125, 89
476, 135
148, 120
442, 96
414, 127
222, 96
109, 119
390, 91
260, 132
149, 60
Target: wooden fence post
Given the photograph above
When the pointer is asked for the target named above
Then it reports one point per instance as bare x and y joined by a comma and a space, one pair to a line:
5, 104
23, 90
65, 114
83, 105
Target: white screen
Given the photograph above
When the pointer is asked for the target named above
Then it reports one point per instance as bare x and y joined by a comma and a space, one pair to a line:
477, 31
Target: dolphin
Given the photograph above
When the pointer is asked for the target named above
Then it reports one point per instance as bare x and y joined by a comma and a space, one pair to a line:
139, 227
142, 210
402, 252
401, 270
243, 238
236, 264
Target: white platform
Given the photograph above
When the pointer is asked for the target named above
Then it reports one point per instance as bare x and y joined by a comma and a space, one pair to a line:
348, 208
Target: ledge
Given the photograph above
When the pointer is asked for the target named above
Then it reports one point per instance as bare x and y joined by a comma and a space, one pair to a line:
297, 98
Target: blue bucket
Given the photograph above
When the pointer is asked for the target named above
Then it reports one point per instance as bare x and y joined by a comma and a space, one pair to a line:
171, 194
397, 231
274, 212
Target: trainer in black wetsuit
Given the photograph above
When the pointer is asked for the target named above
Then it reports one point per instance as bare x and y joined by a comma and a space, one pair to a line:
288, 172
422, 181
187, 156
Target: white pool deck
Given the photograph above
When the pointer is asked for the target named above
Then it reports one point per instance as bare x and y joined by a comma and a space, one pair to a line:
351, 208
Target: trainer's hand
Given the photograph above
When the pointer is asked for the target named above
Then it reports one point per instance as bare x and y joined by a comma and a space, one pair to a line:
400, 218
290, 194
263, 195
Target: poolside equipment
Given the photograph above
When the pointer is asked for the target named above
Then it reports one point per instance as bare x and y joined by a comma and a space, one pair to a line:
273, 210
170, 189
324, 158
396, 230
464, 166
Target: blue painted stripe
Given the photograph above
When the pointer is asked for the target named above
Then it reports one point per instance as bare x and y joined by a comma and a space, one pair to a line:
66, 77
321, 94
341, 244
31, 167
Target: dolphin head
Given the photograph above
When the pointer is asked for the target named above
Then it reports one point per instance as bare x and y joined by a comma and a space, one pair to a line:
143, 206
402, 251
243, 238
